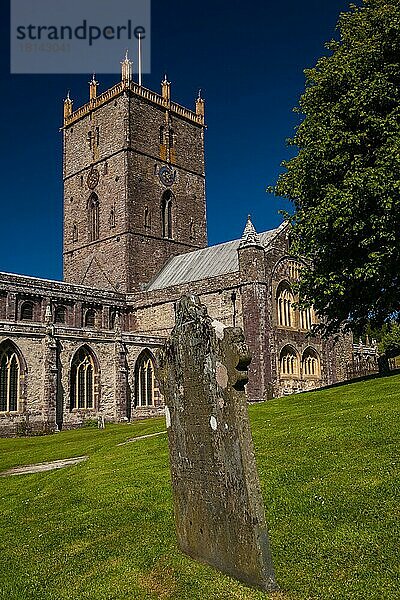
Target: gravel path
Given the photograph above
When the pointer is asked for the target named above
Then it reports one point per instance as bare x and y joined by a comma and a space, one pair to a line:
46, 466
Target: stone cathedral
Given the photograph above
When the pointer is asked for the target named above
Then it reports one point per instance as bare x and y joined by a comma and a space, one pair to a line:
135, 241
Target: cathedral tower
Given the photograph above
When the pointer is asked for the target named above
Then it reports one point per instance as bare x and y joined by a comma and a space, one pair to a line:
134, 186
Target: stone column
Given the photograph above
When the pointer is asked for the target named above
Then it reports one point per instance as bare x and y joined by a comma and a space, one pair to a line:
50, 378
121, 381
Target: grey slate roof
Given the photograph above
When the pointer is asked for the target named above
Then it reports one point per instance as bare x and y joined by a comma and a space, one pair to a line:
202, 264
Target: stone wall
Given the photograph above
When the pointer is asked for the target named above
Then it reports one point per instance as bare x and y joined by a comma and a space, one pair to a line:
46, 350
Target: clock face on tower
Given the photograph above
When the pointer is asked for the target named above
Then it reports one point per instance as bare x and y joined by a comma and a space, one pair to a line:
93, 179
167, 176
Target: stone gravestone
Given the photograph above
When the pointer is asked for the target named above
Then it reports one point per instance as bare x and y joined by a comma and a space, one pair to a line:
219, 512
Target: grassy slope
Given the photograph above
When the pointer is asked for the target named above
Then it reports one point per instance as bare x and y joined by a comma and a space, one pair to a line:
103, 530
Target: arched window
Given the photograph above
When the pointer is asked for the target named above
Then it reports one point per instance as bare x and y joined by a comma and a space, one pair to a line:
191, 229
113, 318
284, 302
60, 314
289, 362
75, 233
90, 318
10, 376
84, 380
166, 214
311, 363
93, 214
144, 379
307, 318
27, 311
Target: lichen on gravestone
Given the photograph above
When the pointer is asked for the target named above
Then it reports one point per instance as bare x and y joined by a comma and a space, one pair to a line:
219, 511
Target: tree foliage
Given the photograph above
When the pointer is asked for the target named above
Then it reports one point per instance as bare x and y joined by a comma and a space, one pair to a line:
390, 341
344, 180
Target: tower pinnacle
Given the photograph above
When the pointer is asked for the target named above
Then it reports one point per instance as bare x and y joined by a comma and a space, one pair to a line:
166, 88
93, 87
68, 106
126, 74
250, 236
200, 105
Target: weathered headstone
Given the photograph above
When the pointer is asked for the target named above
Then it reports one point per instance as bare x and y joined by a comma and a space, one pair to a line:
219, 512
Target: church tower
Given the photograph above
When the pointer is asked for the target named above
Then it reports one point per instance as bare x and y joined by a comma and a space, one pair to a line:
134, 184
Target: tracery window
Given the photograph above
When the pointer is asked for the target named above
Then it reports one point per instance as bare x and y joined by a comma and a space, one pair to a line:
310, 363
83, 380
284, 301
166, 214
307, 318
144, 379
27, 311
289, 362
294, 269
93, 209
10, 372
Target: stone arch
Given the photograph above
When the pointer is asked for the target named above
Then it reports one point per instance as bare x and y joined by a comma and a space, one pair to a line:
13, 375
282, 269
84, 380
311, 363
145, 382
289, 362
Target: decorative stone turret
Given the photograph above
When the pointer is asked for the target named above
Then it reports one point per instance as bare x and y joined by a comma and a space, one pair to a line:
250, 236
93, 87
68, 106
126, 70
251, 254
166, 89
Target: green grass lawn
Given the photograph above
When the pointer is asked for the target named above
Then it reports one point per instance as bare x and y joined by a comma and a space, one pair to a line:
103, 529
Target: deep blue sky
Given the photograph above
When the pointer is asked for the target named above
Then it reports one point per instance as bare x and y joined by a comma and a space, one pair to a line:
248, 58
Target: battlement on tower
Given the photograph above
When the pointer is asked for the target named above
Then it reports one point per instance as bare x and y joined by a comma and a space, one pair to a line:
162, 100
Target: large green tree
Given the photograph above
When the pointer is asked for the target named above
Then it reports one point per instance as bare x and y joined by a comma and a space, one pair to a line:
344, 180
